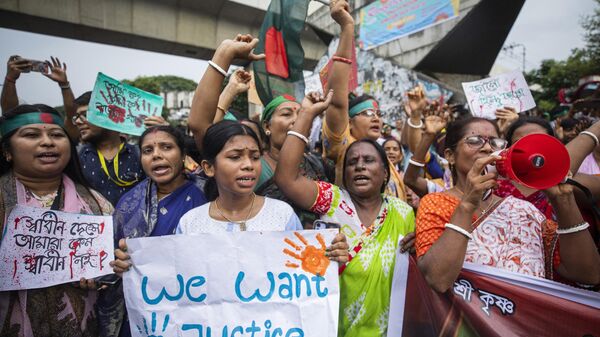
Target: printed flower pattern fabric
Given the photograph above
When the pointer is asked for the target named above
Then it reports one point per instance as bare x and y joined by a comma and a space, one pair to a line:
366, 281
514, 236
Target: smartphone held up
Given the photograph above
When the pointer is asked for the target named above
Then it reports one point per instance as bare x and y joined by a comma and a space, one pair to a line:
28, 65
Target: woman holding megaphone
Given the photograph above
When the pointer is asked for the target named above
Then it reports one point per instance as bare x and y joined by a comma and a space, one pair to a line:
459, 225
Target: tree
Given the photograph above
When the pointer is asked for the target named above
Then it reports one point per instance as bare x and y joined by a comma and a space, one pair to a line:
591, 24
158, 84
554, 75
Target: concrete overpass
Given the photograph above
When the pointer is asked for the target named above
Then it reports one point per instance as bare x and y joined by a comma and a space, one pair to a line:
190, 28
453, 51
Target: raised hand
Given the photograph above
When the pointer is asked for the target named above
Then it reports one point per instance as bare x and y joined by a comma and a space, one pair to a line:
57, 72
314, 103
15, 66
242, 47
340, 12
506, 116
151, 121
417, 102
436, 118
239, 81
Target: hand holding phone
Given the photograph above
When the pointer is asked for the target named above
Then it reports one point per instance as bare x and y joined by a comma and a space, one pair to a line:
320, 224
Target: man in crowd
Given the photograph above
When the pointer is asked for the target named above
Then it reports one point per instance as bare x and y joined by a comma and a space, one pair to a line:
109, 163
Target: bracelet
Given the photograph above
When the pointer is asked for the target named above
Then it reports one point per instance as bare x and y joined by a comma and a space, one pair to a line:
218, 68
299, 135
65, 86
416, 163
414, 126
8, 79
341, 59
594, 137
460, 230
577, 228
220, 108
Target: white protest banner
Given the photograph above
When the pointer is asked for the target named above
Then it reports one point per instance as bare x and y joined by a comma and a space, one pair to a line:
42, 248
487, 95
233, 284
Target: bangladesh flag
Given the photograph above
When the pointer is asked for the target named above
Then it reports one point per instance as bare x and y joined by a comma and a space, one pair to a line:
281, 71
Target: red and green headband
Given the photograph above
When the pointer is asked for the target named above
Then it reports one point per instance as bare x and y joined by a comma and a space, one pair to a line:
20, 120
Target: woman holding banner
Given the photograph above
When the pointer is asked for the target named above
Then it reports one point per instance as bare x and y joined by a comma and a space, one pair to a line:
151, 208
39, 168
457, 225
371, 220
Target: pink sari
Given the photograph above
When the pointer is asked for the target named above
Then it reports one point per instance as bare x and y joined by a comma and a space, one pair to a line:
58, 310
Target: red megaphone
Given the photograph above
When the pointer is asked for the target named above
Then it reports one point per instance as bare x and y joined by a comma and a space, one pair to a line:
537, 161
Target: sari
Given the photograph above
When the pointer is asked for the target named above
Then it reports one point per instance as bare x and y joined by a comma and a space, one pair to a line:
61, 310
366, 281
512, 235
138, 214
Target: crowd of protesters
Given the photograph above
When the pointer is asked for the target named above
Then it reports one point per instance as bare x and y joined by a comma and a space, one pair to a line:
424, 179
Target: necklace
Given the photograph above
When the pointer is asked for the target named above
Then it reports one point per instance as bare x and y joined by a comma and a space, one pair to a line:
242, 224
483, 210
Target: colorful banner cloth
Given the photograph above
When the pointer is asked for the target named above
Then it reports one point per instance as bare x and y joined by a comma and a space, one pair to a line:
121, 107
281, 72
41, 248
387, 20
233, 284
487, 301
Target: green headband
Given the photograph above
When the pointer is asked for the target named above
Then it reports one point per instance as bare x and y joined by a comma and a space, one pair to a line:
20, 120
362, 106
229, 117
275, 102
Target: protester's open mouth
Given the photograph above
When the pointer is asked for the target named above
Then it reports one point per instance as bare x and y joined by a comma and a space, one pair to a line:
48, 157
361, 178
246, 180
160, 169
375, 128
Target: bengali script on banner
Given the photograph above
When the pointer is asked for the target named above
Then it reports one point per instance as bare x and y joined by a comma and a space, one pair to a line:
385, 21
486, 301
121, 107
42, 248
505, 90
229, 284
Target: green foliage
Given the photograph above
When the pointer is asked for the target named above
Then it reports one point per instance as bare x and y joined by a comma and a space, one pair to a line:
165, 83
554, 75
591, 24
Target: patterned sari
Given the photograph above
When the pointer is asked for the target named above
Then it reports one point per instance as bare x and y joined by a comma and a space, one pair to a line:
366, 281
513, 235
61, 310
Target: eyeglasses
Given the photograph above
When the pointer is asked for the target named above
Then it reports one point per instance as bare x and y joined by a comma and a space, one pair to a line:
77, 116
370, 113
477, 142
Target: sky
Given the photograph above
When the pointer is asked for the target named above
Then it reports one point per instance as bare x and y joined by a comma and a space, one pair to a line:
547, 29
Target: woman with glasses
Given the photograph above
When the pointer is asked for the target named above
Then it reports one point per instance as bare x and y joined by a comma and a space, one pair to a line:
508, 233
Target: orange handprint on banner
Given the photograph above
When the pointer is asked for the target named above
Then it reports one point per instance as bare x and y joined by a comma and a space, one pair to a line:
313, 259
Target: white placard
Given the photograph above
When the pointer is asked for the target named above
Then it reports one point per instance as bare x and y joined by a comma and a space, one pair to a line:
42, 248
487, 95
233, 284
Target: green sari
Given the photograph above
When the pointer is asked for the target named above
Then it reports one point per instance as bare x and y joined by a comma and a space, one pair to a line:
366, 282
